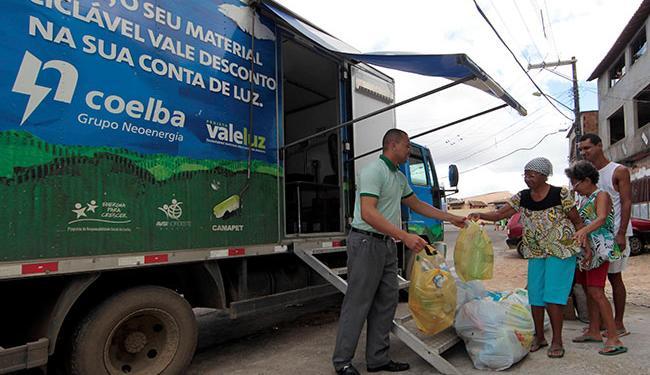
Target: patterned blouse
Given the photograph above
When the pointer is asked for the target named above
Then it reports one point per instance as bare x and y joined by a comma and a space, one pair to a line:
602, 241
547, 228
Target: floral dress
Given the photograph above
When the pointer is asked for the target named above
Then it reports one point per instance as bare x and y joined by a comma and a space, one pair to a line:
547, 228
603, 245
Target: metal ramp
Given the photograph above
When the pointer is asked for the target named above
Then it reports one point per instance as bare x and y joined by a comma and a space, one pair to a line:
430, 348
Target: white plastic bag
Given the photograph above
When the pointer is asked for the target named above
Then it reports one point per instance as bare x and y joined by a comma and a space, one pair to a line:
497, 334
467, 291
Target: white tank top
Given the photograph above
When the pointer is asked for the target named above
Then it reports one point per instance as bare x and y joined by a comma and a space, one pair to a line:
606, 183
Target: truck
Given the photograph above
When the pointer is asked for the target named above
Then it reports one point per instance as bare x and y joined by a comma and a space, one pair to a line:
159, 156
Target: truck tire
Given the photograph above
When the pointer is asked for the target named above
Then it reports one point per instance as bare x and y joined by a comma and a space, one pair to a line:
636, 245
143, 330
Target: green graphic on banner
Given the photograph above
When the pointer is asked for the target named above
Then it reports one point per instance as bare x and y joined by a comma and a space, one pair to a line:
63, 201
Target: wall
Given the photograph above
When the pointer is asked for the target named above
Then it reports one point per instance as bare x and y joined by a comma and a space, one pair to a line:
610, 99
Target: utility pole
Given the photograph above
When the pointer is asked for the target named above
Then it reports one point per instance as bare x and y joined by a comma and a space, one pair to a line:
577, 124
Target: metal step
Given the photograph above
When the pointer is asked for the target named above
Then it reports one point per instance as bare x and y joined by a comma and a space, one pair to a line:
402, 282
326, 250
429, 347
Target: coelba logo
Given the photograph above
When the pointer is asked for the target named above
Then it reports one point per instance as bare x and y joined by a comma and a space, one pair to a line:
152, 110
26, 82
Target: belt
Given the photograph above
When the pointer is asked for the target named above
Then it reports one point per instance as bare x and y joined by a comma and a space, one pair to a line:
371, 234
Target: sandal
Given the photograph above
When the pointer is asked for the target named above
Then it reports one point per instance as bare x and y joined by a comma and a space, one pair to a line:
586, 338
621, 332
612, 350
537, 345
555, 353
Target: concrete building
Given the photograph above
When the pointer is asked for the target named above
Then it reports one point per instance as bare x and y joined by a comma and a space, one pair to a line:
624, 105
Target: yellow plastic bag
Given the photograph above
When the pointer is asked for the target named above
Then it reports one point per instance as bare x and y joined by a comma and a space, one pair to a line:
432, 295
473, 254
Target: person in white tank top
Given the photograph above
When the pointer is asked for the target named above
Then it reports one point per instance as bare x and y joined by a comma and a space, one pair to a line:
614, 179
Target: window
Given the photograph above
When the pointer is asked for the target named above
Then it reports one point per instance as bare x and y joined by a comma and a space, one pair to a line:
617, 71
642, 103
639, 46
616, 126
417, 171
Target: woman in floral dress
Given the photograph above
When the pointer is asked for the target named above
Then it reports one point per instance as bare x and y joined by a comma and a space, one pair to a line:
595, 208
550, 219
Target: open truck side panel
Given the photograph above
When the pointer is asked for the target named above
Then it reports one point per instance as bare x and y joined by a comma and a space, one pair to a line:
139, 160
144, 172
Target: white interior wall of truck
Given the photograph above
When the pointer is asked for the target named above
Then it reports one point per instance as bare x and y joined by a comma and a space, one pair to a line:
311, 103
371, 91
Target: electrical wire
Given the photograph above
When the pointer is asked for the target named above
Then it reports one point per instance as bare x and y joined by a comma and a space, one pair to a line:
530, 119
441, 142
517, 60
539, 52
494, 144
505, 25
558, 73
587, 88
512, 152
550, 28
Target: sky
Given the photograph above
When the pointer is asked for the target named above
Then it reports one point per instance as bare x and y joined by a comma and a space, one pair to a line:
536, 31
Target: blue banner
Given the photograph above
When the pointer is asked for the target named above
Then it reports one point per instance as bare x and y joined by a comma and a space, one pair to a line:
183, 78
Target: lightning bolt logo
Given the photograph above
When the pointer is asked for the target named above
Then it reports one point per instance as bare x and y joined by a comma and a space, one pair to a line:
26, 82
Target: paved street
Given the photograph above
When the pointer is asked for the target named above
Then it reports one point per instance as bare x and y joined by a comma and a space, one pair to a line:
300, 341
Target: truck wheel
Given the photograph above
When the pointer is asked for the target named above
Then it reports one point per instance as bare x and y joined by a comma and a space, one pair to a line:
636, 245
143, 330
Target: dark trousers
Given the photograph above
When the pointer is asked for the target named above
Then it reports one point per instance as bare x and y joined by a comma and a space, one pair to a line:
371, 296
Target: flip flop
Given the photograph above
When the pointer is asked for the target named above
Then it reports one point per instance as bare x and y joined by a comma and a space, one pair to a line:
613, 350
621, 332
586, 338
537, 346
555, 353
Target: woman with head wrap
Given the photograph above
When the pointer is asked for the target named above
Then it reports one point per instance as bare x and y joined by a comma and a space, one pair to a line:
550, 220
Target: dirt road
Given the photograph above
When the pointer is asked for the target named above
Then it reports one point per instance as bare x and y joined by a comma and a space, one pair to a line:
300, 341
510, 269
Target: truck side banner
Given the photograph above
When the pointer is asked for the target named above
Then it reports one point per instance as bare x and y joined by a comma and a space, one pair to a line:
126, 126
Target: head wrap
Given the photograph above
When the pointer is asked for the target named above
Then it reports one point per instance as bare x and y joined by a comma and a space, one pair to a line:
540, 165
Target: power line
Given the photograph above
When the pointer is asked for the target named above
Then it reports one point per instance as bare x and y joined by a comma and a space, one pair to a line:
615, 97
517, 60
505, 25
440, 142
558, 73
550, 28
512, 152
539, 52
529, 120
495, 143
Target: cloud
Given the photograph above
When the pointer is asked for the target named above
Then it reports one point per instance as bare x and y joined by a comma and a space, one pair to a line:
581, 28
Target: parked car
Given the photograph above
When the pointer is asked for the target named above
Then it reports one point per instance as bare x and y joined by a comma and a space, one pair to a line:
515, 232
640, 239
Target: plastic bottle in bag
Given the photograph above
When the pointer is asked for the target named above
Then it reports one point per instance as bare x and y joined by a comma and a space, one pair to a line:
432, 295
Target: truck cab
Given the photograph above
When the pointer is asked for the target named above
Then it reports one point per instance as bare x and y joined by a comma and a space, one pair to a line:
421, 173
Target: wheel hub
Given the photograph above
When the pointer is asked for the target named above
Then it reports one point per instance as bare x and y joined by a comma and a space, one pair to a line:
144, 342
135, 342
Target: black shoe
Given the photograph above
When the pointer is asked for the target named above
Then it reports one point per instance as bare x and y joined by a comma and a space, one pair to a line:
390, 367
347, 370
